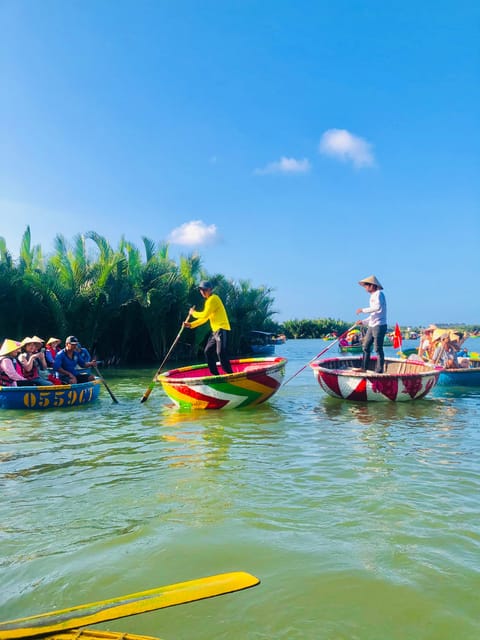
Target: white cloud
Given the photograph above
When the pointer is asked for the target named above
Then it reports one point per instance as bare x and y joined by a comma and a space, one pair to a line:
285, 165
194, 233
343, 145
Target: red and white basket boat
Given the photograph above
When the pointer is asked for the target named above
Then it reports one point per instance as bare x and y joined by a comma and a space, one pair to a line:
402, 380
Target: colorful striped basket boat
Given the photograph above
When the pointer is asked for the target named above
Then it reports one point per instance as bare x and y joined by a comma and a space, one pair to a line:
253, 381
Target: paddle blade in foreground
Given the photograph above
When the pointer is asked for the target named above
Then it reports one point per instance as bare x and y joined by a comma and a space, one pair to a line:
160, 598
94, 634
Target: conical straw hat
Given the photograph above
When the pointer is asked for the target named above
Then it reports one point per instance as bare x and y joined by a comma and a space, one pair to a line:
439, 333
9, 346
371, 280
34, 340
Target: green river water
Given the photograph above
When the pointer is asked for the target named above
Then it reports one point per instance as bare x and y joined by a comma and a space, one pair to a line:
361, 520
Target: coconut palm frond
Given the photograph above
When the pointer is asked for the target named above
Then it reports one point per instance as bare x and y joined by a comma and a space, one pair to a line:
150, 248
103, 246
5, 256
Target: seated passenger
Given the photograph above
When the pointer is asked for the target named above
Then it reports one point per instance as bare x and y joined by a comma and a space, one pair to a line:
66, 361
445, 353
33, 363
84, 353
426, 347
52, 348
457, 338
11, 374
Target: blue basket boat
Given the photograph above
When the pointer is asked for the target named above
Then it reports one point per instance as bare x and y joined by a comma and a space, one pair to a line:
49, 397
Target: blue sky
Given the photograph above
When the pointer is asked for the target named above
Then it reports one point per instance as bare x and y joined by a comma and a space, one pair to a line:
299, 145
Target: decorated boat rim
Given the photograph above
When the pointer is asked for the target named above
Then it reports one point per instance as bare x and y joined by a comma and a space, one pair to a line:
406, 368
265, 364
52, 387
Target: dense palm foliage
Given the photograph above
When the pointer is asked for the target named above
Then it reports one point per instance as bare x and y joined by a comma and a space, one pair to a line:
123, 303
314, 328
128, 304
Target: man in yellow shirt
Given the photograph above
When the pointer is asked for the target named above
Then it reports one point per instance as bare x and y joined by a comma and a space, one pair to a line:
213, 311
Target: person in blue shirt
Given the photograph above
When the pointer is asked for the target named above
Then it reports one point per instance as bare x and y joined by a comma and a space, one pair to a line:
376, 323
67, 360
84, 353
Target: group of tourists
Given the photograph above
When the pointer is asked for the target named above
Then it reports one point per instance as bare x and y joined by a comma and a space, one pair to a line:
34, 362
443, 347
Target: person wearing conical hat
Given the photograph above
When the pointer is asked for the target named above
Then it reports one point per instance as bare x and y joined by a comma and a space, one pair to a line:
376, 322
33, 361
10, 369
51, 350
427, 342
445, 354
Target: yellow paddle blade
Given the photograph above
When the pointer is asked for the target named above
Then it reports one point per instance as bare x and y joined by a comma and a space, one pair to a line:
93, 634
159, 598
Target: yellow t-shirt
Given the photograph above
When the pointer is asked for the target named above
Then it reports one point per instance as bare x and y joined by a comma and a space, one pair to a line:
213, 311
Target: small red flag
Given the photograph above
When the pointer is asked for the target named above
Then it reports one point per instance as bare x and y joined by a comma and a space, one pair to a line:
397, 337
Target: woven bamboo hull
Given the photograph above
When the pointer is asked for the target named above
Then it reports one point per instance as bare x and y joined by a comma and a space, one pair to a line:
253, 381
402, 381
52, 397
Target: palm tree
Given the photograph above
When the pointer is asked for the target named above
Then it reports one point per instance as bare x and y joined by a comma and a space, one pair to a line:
30, 257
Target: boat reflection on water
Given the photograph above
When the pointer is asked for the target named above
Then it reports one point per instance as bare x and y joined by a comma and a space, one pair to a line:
437, 412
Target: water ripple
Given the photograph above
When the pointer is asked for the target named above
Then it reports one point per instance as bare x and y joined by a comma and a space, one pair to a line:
359, 518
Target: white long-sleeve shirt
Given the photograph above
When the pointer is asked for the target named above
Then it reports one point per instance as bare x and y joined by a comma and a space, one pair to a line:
377, 309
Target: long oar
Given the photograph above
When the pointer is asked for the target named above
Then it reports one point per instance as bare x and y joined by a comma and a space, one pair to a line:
168, 596
320, 354
152, 384
105, 384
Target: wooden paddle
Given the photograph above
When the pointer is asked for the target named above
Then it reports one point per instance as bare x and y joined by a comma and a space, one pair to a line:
152, 384
105, 384
103, 611
320, 354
